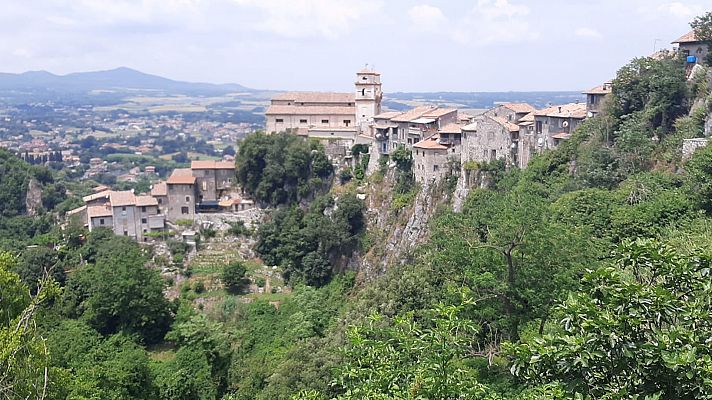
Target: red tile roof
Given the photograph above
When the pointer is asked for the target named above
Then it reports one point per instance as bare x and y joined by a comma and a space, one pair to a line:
689, 37
310, 110
571, 110
506, 124
606, 88
122, 198
439, 112
159, 189
181, 176
519, 107
316, 97
98, 211
451, 128
430, 143
211, 164
143, 201
412, 114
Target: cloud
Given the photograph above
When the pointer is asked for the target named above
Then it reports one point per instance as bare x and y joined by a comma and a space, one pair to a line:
427, 18
492, 22
298, 18
680, 10
588, 33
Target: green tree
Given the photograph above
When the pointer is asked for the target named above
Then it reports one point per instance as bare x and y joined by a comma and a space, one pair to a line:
702, 25
24, 358
640, 327
119, 293
233, 275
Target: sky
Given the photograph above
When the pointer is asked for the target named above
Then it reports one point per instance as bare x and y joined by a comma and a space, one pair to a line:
418, 45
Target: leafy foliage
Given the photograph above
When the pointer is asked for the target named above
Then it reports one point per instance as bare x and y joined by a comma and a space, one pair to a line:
280, 168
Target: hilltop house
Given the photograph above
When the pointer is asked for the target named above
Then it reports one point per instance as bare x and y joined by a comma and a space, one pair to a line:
393, 129
121, 211
595, 98
547, 128
338, 119
691, 47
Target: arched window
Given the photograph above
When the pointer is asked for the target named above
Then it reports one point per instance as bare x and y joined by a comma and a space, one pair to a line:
363, 92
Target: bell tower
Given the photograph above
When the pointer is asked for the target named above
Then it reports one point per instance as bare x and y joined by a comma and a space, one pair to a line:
368, 96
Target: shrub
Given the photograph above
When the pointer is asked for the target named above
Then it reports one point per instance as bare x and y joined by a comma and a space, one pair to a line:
233, 275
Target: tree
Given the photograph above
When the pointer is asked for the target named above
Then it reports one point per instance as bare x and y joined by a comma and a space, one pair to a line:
508, 248
702, 25
187, 377
410, 359
233, 275
35, 263
24, 358
228, 151
640, 327
119, 293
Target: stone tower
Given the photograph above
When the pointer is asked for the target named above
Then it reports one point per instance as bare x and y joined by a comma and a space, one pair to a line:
368, 96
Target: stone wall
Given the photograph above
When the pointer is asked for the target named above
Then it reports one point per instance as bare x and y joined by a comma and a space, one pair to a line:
690, 145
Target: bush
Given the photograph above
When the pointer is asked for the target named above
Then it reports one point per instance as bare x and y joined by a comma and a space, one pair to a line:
199, 287
233, 275
238, 228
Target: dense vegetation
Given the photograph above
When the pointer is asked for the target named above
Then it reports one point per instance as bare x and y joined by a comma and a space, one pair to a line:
281, 168
584, 276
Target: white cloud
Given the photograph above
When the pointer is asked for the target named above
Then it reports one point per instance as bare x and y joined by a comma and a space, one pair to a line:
492, 22
295, 18
588, 33
426, 17
681, 10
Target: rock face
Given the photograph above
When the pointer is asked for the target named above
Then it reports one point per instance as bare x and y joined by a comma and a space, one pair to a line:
33, 199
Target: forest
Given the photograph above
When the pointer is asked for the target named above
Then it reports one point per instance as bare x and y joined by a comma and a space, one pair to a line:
584, 276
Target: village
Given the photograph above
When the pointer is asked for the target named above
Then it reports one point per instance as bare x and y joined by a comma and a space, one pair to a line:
443, 142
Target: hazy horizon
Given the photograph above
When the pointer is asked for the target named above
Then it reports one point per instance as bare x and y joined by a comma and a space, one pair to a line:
418, 46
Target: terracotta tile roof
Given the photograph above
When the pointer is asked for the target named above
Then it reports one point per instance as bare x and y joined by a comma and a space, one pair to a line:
519, 107
561, 135
387, 115
181, 176
430, 143
526, 119
412, 114
689, 37
100, 188
96, 196
464, 116
99, 211
310, 110
76, 211
470, 127
606, 88
506, 124
211, 164
142, 201
439, 112
368, 72
571, 110
316, 97
451, 128
122, 198
159, 189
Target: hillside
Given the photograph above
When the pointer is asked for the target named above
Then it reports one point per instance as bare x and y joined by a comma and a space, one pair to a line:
121, 79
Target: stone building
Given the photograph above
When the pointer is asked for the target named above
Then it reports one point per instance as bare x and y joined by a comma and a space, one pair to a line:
596, 97
328, 116
393, 129
490, 138
511, 112
213, 179
690, 46
182, 194
547, 128
121, 211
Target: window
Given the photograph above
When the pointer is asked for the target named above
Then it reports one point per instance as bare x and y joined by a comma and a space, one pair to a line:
143, 208
493, 155
363, 92
205, 185
302, 121
279, 120
160, 200
126, 233
187, 199
538, 126
364, 78
101, 221
324, 121
123, 208
347, 122
144, 221
184, 210
435, 168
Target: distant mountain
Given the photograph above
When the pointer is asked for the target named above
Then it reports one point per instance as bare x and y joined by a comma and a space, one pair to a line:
120, 79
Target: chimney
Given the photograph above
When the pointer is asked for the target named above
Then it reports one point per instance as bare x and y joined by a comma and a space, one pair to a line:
559, 108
